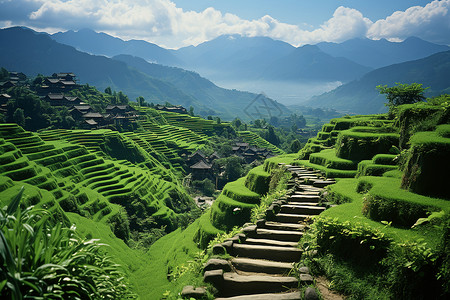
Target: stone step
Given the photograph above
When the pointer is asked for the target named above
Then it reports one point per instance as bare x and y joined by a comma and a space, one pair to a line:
275, 253
317, 193
256, 241
323, 183
280, 296
261, 266
301, 209
290, 218
274, 234
308, 187
284, 226
304, 203
235, 284
304, 198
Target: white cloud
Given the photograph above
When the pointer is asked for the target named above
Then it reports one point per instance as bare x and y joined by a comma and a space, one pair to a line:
162, 22
431, 22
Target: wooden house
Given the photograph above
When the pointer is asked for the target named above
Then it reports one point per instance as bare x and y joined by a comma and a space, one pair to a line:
4, 98
201, 170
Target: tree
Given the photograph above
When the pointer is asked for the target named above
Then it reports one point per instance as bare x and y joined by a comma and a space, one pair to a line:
191, 110
233, 168
19, 117
402, 93
295, 146
272, 136
140, 101
237, 123
108, 90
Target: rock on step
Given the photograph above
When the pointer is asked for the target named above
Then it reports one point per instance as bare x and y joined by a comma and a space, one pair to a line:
301, 209
235, 284
281, 296
275, 253
261, 266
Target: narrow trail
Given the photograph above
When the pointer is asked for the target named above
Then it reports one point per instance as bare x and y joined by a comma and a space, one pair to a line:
263, 256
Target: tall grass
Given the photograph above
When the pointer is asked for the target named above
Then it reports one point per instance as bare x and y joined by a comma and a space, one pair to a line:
43, 259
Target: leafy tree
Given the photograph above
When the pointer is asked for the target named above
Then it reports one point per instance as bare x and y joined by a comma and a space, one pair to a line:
295, 146
402, 93
272, 136
274, 121
258, 123
140, 101
19, 117
233, 168
191, 110
108, 90
237, 123
210, 118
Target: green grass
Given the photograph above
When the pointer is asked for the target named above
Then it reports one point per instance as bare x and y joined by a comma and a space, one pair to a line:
328, 159
345, 190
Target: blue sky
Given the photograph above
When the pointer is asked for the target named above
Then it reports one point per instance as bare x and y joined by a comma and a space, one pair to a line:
178, 23
300, 11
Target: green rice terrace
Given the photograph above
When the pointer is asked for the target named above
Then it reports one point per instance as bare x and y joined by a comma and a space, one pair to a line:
360, 212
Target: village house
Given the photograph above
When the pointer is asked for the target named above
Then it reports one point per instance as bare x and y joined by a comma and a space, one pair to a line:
176, 108
4, 98
201, 170
196, 157
59, 99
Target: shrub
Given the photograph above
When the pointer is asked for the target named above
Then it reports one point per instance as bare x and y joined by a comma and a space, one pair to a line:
353, 241
42, 259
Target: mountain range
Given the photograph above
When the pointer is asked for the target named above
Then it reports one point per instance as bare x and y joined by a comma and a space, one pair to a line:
102, 60
24, 50
381, 53
361, 96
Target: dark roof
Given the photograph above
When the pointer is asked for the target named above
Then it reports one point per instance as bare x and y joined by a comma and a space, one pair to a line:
242, 144
82, 107
214, 155
68, 82
53, 80
55, 96
92, 115
198, 152
91, 122
121, 107
201, 165
65, 74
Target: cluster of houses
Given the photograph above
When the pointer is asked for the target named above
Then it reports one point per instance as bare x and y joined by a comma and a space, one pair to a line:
15, 79
55, 91
250, 153
200, 165
175, 108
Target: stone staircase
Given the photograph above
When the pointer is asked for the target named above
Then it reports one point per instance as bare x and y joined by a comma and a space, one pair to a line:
264, 255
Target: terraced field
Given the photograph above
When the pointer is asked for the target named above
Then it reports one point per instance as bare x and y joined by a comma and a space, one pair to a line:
195, 124
257, 141
85, 180
345, 143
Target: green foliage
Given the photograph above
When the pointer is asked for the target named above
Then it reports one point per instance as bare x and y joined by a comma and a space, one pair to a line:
295, 146
351, 241
402, 93
41, 258
206, 186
